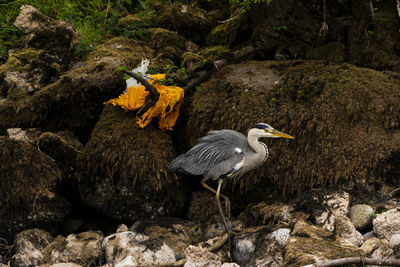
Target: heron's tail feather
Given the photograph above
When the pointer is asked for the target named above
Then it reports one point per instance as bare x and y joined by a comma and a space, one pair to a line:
185, 165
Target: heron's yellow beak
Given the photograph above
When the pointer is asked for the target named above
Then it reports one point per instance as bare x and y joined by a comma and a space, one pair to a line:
280, 134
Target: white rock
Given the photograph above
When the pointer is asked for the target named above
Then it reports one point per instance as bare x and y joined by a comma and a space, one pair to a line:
29, 19
346, 233
281, 235
377, 249
387, 224
200, 257
129, 261
122, 228
28, 246
244, 247
78, 248
394, 240
270, 249
231, 264
17, 134
361, 216
62, 264
335, 204
118, 247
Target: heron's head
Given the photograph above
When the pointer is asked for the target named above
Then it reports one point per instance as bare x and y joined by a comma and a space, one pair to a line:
265, 130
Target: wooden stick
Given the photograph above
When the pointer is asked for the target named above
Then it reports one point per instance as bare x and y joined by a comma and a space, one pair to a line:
356, 260
153, 92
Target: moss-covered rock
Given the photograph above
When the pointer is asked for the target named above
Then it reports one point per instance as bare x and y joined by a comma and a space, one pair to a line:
284, 25
59, 149
136, 25
309, 244
75, 100
205, 57
344, 120
167, 44
333, 52
183, 19
56, 37
231, 31
27, 185
27, 71
123, 169
373, 36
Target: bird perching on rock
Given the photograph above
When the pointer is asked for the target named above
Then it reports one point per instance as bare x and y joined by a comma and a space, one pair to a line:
226, 154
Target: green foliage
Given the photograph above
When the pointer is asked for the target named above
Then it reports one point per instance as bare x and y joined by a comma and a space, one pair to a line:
246, 4
94, 20
280, 28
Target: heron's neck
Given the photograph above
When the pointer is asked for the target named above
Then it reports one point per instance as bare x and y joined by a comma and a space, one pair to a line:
257, 146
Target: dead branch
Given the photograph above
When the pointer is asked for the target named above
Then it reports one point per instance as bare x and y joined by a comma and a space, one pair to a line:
356, 260
218, 64
201, 76
154, 95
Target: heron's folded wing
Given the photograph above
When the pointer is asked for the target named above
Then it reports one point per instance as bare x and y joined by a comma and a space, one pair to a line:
217, 154
226, 168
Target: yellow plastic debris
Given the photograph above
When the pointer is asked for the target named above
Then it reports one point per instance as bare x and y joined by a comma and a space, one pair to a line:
166, 109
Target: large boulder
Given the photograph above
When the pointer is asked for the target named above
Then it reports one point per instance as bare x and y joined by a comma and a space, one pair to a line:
28, 247
124, 169
132, 249
340, 116
28, 188
74, 101
57, 37
358, 32
27, 71
309, 244
183, 19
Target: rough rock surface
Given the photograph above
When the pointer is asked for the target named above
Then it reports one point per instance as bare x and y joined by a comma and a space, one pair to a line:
183, 19
309, 244
346, 233
174, 232
270, 249
333, 205
28, 246
84, 248
387, 223
200, 257
30, 19
377, 248
137, 249
63, 264
263, 214
55, 36
361, 216
29, 135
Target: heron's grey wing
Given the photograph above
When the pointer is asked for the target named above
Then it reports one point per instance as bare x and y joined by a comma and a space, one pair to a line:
217, 154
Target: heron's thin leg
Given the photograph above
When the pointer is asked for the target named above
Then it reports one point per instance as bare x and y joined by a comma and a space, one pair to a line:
227, 229
226, 199
219, 206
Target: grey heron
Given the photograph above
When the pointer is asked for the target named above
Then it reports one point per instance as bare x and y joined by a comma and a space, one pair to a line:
226, 154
